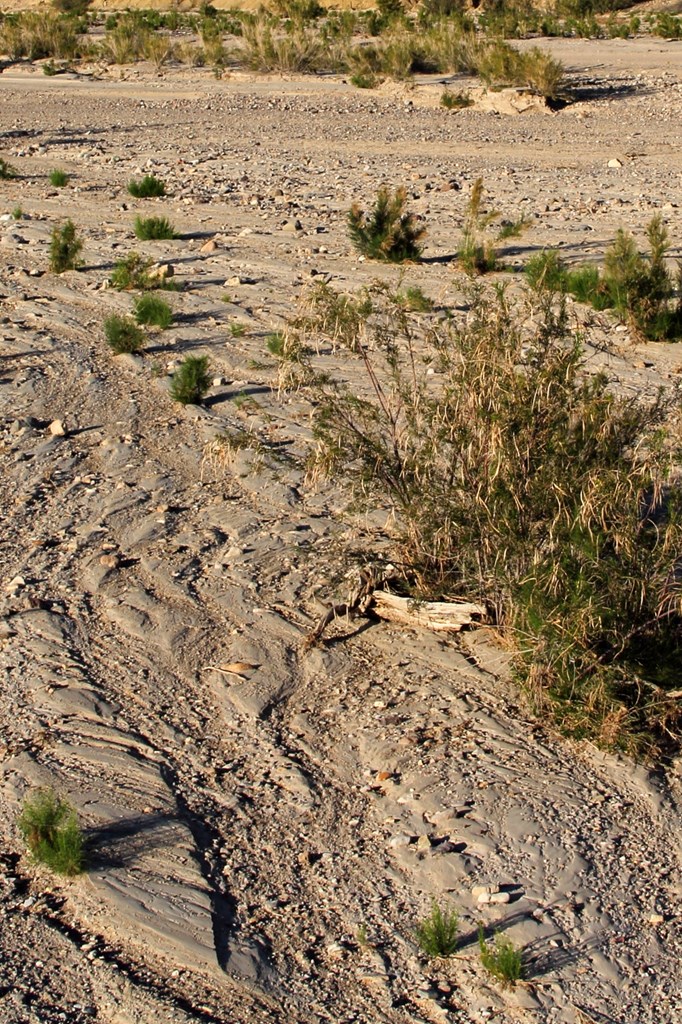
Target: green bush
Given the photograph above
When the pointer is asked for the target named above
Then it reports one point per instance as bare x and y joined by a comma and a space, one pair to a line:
50, 829
153, 311
132, 273
455, 100
638, 287
58, 179
149, 187
7, 170
191, 380
65, 248
437, 933
503, 960
514, 479
153, 229
546, 271
389, 232
135, 272
122, 334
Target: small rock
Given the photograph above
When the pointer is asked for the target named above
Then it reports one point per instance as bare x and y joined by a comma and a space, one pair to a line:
111, 561
484, 890
209, 246
656, 919
401, 839
57, 428
162, 271
493, 897
424, 843
615, 162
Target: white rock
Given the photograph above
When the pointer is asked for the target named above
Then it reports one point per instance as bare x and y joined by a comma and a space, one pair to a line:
57, 428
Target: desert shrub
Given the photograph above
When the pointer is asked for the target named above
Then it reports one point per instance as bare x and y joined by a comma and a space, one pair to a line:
149, 187
668, 26
499, 64
58, 178
132, 272
153, 311
50, 829
77, 7
546, 271
502, 959
126, 41
298, 10
437, 933
153, 229
638, 287
455, 100
585, 284
157, 47
388, 232
65, 248
36, 35
265, 47
413, 300
7, 170
541, 73
122, 334
477, 255
512, 228
337, 318
364, 80
515, 479
191, 380
191, 54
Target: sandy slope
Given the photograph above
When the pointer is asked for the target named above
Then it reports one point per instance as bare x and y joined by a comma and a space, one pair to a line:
248, 826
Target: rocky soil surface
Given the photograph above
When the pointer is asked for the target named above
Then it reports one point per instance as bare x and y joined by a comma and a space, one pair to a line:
268, 822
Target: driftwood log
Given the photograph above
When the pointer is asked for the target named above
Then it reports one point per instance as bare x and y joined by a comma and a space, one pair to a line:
450, 616
440, 615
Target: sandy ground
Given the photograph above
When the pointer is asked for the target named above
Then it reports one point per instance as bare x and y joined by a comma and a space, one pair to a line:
265, 841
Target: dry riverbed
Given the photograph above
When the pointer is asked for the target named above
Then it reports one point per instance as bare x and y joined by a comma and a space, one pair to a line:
269, 822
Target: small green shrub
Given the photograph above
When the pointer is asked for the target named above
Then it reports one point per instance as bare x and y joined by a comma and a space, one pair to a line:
503, 960
364, 80
149, 187
638, 287
65, 248
191, 380
512, 228
153, 229
546, 272
153, 311
132, 273
275, 343
237, 330
122, 334
668, 26
50, 829
7, 170
437, 933
414, 300
389, 232
455, 100
17, 213
135, 272
58, 178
